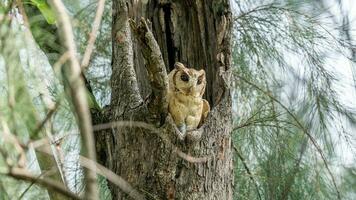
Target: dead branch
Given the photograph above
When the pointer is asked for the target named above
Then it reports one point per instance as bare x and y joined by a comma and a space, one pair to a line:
155, 66
78, 95
100, 169
25, 175
92, 36
47, 118
114, 178
33, 183
24, 15
8, 137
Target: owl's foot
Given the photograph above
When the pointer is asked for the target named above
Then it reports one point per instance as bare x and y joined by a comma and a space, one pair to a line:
182, 131
194, 135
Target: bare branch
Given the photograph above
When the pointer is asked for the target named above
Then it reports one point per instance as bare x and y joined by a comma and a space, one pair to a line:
48, 117
78, 95
8, 137
87, 163
92, 36
24, 15
155, 66
22, 174
114, 178
32, 183
60, 62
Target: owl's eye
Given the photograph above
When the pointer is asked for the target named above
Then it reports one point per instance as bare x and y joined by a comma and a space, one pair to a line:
199, 81
184, 77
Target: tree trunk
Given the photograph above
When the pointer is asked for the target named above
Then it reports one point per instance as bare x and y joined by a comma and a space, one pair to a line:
196, 33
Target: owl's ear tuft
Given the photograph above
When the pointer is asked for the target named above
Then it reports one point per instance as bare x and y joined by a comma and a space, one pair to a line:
202, 72
179, 65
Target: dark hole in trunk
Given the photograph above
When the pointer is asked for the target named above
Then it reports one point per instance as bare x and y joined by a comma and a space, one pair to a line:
169, 38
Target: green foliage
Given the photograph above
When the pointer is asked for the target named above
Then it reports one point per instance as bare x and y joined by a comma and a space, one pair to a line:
104, 192
288, 109
16, 100
45, 34
18, 113
93, 104
46, 10
29, 88
286, 96
349, 182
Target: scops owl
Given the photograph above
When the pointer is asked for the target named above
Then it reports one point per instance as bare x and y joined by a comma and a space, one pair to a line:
186, 105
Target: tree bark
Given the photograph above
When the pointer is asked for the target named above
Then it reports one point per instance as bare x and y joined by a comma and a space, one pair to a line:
196, 33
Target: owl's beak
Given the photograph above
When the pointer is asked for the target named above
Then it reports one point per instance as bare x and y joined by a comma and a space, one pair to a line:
191, 90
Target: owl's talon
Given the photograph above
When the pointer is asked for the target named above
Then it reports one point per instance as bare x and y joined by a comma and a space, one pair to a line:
182, 131
185, 102
182, 128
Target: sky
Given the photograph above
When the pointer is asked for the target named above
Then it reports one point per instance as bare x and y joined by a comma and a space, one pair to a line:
347, 91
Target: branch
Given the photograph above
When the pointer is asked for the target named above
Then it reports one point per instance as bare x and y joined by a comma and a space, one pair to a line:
22, 174
23, 14
292, 176
155, 66
125, 90
300, 125
92, 36
114, 178
108, 174
49, 115
78, 95
248, 171
12, 139
32, 183
157, 131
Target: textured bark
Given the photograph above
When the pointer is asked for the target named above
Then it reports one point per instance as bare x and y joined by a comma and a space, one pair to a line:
196, 33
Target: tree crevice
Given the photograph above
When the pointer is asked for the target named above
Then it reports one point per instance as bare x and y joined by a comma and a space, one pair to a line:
164, 165
167, 10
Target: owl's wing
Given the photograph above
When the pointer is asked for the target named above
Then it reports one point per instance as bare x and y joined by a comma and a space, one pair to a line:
171, 85
205, 112
170, 79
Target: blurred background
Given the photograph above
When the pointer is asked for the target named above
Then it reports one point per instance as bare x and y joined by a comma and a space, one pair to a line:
294, 97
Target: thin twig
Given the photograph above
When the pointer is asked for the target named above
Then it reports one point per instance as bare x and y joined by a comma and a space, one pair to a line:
100, 169
112, 177
8, 137
92, 36
32, 183
248, 171
292, 176
23, 13
314, 142
78, 95
48, 117
60, 62
25, 175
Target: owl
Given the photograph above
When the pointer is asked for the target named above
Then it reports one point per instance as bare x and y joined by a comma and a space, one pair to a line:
185, 103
